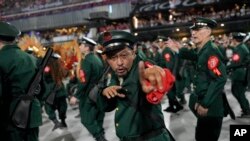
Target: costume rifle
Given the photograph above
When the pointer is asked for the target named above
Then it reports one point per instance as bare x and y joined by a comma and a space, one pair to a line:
94, 91
21, 113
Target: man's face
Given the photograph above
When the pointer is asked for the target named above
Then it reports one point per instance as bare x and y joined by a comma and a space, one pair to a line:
84, 48
233, 43
122, 61
200, 34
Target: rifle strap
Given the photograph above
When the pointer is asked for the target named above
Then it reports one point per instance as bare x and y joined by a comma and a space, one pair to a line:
98, 83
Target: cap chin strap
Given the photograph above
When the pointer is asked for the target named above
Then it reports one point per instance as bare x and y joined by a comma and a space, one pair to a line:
118, 44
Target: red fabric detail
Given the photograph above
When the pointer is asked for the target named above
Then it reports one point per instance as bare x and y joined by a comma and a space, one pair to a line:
82, 76
213, 63
47, 69
156, 96
70, 62
236, 57
167, 57
217, 72
148, 64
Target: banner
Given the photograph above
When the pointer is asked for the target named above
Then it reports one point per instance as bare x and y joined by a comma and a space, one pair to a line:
165, 5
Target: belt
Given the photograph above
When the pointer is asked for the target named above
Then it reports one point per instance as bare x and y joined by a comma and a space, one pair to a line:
145, 136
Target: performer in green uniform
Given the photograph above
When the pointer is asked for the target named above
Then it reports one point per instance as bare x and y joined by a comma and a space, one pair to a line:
170, 60
209, 80
90, 72
55, 99
17, 69
136, 118
239, 74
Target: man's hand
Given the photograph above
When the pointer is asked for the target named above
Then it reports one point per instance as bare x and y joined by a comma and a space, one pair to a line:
73, 100
111, 92
153, 75
173, 45
202, 111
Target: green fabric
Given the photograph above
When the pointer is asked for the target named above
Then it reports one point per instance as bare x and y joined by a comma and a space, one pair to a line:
239, 91
17, 135
129, 121
51, 86
156, 58
116, 36
180, 85
168, 62
19, 68
207, 85
93, 68
239, 74
9, 30
91, 116
60, 105
200, 22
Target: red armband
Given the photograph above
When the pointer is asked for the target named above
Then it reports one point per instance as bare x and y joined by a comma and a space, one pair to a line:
47, 69
82, 76
213, 63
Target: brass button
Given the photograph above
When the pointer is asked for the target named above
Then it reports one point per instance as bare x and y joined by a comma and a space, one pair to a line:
117, 109
117, 124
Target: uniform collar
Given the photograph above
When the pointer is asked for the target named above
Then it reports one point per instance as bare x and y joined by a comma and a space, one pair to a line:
204, 47
10, 46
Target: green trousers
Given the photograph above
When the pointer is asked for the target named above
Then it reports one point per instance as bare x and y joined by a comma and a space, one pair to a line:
208, 128
59, 104
238, 91
16, 134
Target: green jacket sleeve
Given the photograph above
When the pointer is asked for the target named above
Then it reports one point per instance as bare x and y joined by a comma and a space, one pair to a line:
167, 59
238, 59
216, 85
86, 69
0, 86
189, 54
105, 104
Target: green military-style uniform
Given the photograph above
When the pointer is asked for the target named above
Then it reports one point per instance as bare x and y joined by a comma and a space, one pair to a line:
239, 76
17, 73
223, 52
156, 56
208, 87
92, 118
17, 70
209, 80
129, 121
59, 102
147, 52
133, 116
170, 61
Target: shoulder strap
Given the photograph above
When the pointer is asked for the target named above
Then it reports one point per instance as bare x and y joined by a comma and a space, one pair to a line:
38, 76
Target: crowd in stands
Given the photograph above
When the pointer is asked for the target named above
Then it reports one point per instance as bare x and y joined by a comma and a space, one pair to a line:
170, 19
118, 26
18, 6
